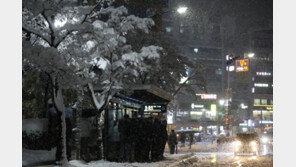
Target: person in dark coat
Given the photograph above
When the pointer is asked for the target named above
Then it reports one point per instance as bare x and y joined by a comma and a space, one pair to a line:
191, 136
148, 125
156, 141
164, 137
135, 131
139, 143
124, 129
172, 142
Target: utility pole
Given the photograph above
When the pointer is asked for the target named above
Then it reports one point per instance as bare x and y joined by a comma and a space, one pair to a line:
231, 59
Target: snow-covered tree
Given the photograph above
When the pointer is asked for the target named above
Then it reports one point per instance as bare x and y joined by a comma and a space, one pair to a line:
82, 45
172, 66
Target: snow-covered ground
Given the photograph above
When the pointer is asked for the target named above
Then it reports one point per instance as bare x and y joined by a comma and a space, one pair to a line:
169, 159
33, 157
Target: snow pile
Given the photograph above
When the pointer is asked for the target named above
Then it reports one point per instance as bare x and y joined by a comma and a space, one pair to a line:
34, 125
103, 163
31, 157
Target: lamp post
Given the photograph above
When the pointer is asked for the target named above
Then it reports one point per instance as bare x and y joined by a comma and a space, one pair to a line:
182, 9
231, 59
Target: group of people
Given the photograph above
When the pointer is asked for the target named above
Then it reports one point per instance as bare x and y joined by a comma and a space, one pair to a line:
142, 139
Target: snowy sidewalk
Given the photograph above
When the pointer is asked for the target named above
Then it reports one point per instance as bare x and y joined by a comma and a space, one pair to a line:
197, 147
170, 160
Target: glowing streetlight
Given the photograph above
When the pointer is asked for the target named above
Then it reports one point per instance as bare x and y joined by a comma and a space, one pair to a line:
250, 55
182, 9
221, 102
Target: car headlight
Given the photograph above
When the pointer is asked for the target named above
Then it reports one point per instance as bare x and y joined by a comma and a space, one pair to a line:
253, 143
265, 140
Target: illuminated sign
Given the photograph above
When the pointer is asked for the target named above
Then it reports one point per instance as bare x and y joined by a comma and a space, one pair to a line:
231, 68
213, 110
154, 108
261, 85
263, 73
207, 96
266, 122
242, 65
196, 106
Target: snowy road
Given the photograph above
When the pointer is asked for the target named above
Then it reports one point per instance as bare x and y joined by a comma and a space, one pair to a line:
227, 159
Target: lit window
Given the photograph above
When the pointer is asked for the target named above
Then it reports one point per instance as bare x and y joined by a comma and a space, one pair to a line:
271, 102
253, 90
256, 101
264, 101
168, 29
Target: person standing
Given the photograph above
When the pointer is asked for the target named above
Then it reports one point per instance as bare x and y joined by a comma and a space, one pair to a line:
191, 136
124, 129
156, 141
164, 137
172, 141
147, 142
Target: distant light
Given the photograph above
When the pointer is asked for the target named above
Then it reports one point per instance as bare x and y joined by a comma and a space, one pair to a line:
195, 50
168, 29
221, 102
231, 68
250, 55
213, 110
182, 9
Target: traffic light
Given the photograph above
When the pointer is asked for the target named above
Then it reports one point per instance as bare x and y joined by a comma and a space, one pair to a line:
232, 58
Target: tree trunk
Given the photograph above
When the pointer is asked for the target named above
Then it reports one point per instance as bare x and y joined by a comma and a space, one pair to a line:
99, 105
78, 109
60, 107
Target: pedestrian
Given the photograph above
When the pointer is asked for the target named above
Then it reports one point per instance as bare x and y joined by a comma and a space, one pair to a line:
140, 141
148, 125
124, 129
156, 141
191, 135
164, 137
172, 142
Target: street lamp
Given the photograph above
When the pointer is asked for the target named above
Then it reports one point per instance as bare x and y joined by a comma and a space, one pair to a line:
250, 55
221, 102
182, 9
